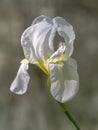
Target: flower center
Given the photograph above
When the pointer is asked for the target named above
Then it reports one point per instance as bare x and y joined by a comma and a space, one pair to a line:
56, 58
45, 66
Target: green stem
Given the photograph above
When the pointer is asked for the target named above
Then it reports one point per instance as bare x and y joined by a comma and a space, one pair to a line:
69, 115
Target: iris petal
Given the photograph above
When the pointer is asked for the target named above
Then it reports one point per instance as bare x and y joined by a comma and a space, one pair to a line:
58, 56
40, 40
35, 40
64, 80
27, 44
20, 83
42, 18
39, 37
65, 30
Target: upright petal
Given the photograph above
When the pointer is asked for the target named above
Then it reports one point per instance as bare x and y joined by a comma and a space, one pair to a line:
66, 31
42, 18
26, 43
20, 83
40, 40
58, 56
35, 40
64, 80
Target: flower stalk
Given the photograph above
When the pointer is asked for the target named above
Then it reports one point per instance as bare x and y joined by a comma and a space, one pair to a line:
71, 119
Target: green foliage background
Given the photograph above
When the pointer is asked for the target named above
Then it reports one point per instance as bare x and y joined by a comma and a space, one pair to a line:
37, 110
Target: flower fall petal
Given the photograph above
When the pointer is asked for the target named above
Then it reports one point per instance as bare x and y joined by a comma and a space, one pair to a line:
20, 83
64, 80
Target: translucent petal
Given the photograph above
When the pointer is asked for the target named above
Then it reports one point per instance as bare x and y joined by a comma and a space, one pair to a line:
66, 31
42, 18
35, 40
27, 44
64, 80
58, 55
52, 35
40, 40
20, 83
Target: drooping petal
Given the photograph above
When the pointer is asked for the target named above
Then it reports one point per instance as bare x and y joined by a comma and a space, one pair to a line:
36, 38
20, 83
64, 80
66, 31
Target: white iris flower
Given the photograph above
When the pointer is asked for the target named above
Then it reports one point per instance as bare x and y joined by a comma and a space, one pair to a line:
38, 45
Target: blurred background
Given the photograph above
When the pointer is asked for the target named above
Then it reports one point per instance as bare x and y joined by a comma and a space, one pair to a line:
37, 110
